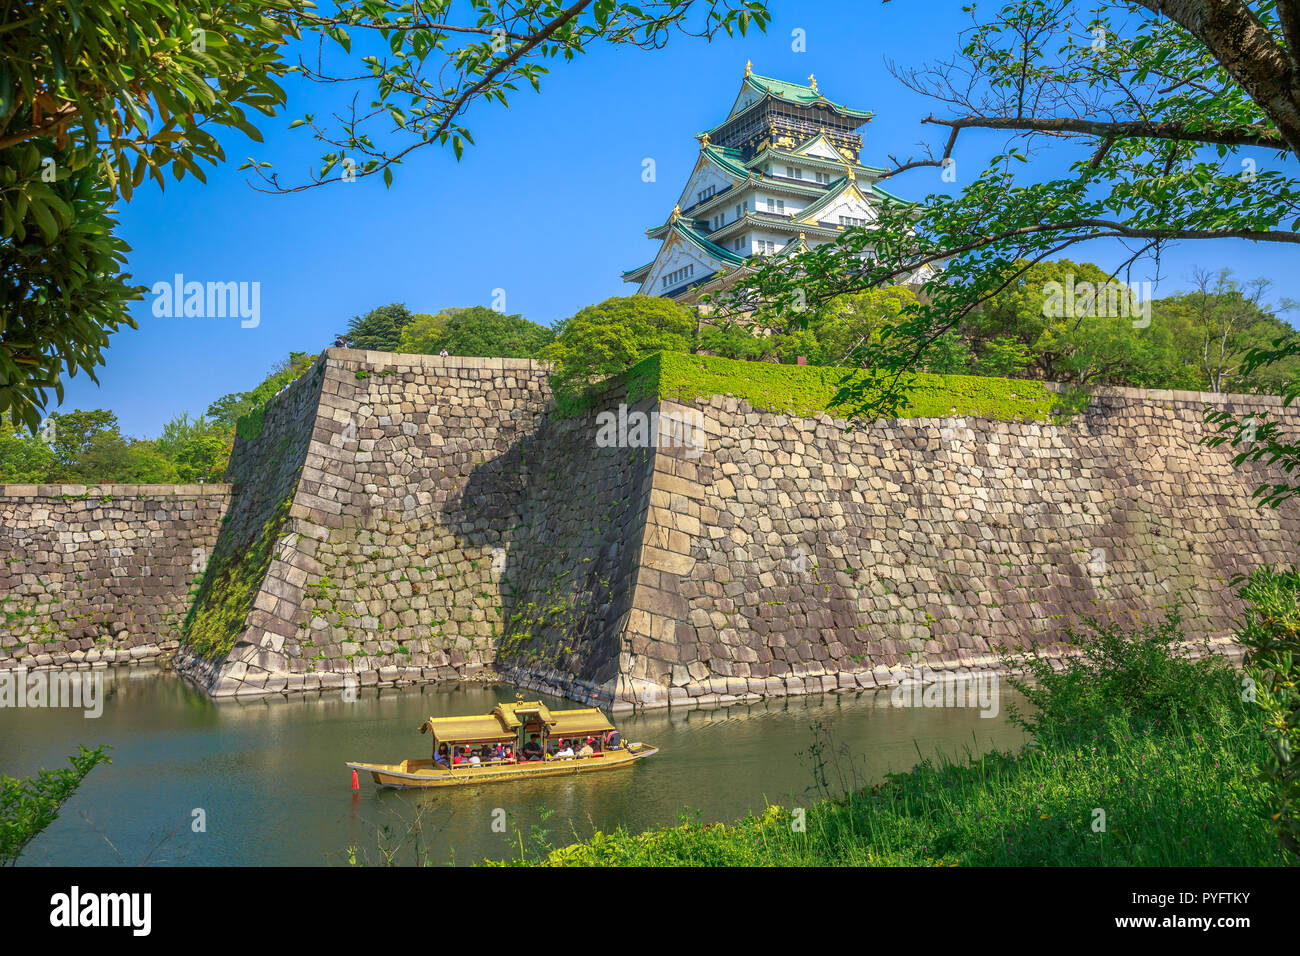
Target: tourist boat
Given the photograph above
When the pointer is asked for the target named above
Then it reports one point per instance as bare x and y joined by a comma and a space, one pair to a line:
511, 725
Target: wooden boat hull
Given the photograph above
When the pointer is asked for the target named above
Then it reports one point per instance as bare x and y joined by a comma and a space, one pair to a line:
422, 774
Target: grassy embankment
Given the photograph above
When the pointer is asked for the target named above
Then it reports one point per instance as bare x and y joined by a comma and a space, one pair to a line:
806, 390
1163, 747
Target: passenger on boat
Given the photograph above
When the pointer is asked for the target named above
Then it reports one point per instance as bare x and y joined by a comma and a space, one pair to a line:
612, 740
458, 757
565, 751
509, 756
474, 759
585, 750
533, 749
441, 755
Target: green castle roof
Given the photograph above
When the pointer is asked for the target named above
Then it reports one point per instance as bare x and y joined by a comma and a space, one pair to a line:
713, 249
800, 94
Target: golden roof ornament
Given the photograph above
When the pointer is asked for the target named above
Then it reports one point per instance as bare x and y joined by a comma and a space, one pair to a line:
812, 81
704, 140
677, 211
848, 171
749, 67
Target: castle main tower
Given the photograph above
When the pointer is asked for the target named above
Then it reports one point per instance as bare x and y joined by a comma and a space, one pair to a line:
780, 174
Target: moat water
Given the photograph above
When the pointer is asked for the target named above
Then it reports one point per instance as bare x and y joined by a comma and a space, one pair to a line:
270, 781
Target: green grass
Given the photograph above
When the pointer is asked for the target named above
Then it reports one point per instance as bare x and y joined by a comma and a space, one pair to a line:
807, 390
1163, 746
1185, 800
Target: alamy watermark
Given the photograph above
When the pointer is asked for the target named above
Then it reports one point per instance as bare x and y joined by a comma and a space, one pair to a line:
211, 300
678, 428
82, 690
75, 909
1105, 300
928, 688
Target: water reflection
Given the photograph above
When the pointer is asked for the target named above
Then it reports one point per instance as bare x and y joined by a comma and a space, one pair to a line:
270, 780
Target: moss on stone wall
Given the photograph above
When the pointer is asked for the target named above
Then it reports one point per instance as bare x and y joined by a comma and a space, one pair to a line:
230, 586
807, 390
249, 426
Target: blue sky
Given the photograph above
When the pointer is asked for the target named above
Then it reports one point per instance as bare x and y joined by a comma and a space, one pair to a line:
549, 205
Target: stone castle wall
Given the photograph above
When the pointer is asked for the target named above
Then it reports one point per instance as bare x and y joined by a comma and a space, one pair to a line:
101, 572
248, 585
441, 525
811, 558
398, 518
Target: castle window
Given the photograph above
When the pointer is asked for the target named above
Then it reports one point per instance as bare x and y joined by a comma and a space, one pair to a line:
823, 177
678, 277
704, 194
852, 221
793, 173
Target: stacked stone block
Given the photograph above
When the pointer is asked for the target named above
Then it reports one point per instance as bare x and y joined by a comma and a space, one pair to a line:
826, 559
265, 472
443, 525
100, 573
440, 521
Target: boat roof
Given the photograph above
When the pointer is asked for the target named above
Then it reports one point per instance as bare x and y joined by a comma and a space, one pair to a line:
574, 723
507, 718
467, 729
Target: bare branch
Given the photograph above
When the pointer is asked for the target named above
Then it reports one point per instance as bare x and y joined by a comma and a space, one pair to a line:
1143, 129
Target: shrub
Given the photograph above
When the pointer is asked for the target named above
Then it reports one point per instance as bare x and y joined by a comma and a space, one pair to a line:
1133, 674
1270, 632
605, 340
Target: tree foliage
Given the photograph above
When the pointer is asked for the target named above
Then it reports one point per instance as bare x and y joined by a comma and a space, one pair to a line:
420, 334
62, 291
88, 447
1260, 437
227, 410
479, 331
199, 449
29, 805
83, 447
1219, 322
423, 65
1270, 632
1189, 123
609, 338
24, 459
1053, 320
95, 97
831, 335
380, 329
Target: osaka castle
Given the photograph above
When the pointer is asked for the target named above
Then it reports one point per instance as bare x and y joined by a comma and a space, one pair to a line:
780, 174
